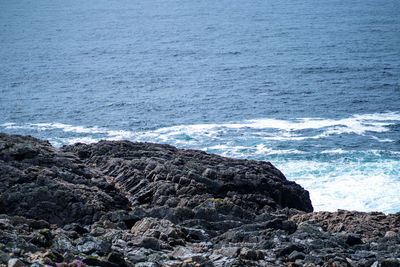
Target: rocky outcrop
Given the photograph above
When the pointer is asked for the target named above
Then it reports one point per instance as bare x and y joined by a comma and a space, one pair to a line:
141, 204
154, 174
40, 182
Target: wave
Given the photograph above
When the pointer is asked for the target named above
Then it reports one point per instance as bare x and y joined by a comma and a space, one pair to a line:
265, 129
103, 133
286, 130
347, 184
353, 177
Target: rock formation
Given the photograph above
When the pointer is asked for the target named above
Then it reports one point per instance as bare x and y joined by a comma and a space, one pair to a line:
141, 204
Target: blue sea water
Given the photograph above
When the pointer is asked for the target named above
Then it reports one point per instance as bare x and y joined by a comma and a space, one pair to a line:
312, 86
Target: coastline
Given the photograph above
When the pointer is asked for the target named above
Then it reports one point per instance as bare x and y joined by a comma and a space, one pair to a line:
118, 203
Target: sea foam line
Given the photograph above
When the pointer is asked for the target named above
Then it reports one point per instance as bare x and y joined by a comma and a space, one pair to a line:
267, 129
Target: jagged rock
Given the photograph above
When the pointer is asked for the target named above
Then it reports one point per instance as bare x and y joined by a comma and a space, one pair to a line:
164, 175
90, 244
296, 255
369, 225
141, 204
62, 244
40, 182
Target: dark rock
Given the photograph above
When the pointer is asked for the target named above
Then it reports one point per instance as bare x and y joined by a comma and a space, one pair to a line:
289, 249
4, 257
135, 258
390, 263
89, 245
40, 182
62, 244
151, 172
116, 258
353, 239
149, 242
97, 262
141, 204
250, 254
76, 228
42, 238
230, 252
295, 255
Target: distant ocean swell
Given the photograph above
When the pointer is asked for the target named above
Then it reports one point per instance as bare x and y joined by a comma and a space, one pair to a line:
349, 163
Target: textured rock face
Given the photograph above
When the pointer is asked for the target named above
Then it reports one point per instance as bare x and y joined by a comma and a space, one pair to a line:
370, 225
136, 204
155, 174
40, 182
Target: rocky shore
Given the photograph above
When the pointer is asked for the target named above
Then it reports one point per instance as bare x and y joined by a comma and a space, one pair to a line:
142, 204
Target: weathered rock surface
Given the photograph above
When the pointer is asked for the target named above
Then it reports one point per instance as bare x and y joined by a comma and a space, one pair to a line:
40, 182
156, 174
140, 204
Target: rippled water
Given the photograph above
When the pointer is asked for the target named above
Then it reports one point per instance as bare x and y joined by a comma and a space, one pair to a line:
312, 86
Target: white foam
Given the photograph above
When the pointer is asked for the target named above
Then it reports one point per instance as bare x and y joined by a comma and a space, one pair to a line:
382, 140
85, 140
283, 130
108, 134
364, 186
7, 124
334, 151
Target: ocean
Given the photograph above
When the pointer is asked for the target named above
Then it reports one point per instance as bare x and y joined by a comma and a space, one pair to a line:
311, 86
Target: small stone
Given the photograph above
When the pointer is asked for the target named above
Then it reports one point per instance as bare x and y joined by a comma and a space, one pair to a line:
15, 263
250, 254
149, 242
95, 262
117, 258
295, 255
62, 244
135, 258
4, 257
390, 234
188, 260
353, 239
230, 252
289, 249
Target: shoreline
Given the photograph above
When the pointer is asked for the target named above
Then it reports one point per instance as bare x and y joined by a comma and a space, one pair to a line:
119, 203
